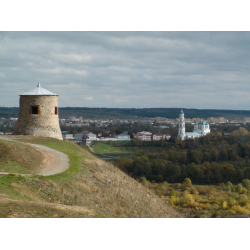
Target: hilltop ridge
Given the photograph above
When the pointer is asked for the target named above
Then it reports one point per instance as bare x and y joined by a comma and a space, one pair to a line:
135, 113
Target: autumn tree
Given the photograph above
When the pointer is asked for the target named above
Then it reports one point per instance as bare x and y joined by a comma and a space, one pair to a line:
214, 154
187, 182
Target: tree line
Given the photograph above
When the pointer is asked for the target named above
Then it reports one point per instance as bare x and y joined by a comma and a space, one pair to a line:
214, 158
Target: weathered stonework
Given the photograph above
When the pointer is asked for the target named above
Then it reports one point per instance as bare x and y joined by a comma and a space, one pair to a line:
45, 123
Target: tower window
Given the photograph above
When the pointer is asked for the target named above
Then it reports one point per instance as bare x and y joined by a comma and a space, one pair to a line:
34, 110
56, 110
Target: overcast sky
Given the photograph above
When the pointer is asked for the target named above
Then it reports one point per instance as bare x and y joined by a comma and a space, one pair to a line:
128, 69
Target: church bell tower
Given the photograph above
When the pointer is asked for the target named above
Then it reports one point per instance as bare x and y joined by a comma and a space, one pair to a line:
181, 126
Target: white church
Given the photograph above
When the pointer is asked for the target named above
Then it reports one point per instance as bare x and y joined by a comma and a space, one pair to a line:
200, 129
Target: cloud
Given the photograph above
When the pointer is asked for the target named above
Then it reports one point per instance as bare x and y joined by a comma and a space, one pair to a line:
128, 69
70, 58
61, 71
89, 98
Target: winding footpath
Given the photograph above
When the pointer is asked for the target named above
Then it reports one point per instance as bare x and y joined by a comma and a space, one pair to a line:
54, 162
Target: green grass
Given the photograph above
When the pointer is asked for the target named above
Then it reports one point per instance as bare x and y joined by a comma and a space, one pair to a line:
16, 157
114, 149
8, 190
121, 149
120, 155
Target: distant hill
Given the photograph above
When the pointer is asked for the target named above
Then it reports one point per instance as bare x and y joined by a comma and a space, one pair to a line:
130, 113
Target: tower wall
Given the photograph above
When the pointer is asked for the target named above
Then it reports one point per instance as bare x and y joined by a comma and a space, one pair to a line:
181, 127
45, 123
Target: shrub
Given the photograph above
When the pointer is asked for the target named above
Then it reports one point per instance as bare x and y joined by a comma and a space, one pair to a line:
4, 151
240, 210
173, 201
143, 181
187, 182
193, 204
195, 193
230, 187
246, 184
244, 190
224, 204
162, 189
230, 211
187, 198
243, 200
239, 188
173, 193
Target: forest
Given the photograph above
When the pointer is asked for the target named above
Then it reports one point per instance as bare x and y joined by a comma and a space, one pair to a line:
129, 113
205, 177
214, 158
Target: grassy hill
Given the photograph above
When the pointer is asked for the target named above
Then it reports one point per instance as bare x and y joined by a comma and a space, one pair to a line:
89, 188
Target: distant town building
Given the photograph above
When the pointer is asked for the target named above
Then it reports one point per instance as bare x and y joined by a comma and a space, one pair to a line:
92, 137
147, 136
144, 136
67, 135
124, 132
157, 137
122, 137
78, 137
108, 138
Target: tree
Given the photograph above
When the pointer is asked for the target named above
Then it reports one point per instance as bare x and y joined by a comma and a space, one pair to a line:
228, 172
214, 154
211, 120
187, 198
74, 132
137, 141
173, 193
131, 135
206, 156
182, 159
223, 155
173, 156
194, 156
193, 171
231, 154
240, 132
187, 182
239, 188
246, 184
229, 186
143, 181
171, 169
247, 161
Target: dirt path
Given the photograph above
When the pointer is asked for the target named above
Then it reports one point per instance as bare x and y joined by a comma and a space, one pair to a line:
54, 162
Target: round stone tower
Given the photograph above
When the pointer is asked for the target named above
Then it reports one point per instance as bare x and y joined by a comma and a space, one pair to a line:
38, 114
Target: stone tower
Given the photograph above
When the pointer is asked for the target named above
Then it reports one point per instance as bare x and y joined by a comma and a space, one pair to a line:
38, 114
181, 126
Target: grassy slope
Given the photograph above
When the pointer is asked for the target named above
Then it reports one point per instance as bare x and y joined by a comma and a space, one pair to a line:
117, 149
18, 158
89, 188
